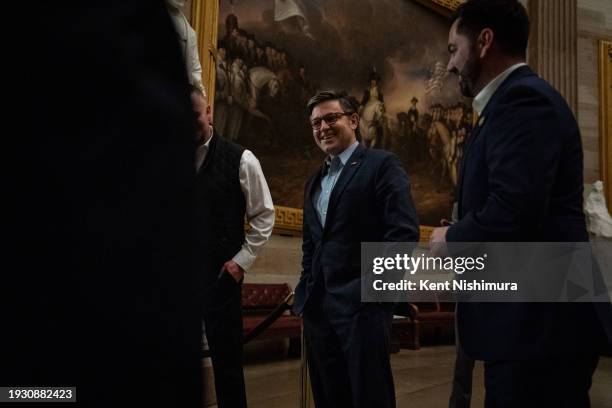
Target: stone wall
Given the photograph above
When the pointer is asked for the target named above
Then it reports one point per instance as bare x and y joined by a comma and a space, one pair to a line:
594, 23
279, 262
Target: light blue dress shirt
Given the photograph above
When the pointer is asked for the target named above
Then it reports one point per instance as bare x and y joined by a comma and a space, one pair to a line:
334, 167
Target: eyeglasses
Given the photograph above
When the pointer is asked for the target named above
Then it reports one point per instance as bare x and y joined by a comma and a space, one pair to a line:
330, 119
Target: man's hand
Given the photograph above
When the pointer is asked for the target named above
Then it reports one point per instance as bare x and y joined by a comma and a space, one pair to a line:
438, 235
233, 269
437, 242
445, 223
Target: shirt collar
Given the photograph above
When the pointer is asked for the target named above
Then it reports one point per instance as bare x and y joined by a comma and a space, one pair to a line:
483, 97
346, 154
207, 144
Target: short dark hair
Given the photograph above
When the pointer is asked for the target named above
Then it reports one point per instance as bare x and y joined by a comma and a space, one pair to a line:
507, 18
347, 103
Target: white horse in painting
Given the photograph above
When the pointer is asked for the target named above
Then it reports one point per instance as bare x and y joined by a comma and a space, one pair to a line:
261, 78
372, 124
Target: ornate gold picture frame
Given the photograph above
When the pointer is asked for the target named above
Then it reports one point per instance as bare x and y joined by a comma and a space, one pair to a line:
605, 117
204, 17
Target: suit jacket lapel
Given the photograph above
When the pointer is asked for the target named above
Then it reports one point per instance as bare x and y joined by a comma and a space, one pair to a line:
349, 170
309, 204
473, 134
316, 182
518, 73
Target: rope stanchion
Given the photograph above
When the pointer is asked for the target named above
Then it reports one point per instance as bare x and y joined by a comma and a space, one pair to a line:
265, 323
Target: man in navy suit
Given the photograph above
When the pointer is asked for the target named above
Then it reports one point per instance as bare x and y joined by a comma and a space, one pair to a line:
521, 180
357, 196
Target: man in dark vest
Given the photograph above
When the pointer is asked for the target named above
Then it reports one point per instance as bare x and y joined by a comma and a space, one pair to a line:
229, 186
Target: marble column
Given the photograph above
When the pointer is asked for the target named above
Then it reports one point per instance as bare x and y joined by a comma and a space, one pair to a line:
553, 45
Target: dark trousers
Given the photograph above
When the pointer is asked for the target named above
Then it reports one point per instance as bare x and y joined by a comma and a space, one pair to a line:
560, 382
223, 322
461, 395
348, 357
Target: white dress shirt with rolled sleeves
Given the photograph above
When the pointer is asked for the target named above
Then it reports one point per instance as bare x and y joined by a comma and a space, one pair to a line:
259, 206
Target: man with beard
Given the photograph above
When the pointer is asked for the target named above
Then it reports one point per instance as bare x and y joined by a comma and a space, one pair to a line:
521, 181
359, 195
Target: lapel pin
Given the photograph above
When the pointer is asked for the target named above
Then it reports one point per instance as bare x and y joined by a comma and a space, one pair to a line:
481, 121
353, 163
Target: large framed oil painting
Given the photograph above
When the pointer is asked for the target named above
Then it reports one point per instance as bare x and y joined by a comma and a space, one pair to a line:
272, 55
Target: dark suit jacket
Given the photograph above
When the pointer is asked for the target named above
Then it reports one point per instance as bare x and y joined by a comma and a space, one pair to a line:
521, 180
370, 202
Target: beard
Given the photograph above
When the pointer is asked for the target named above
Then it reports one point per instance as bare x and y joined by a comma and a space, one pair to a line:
469, 75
